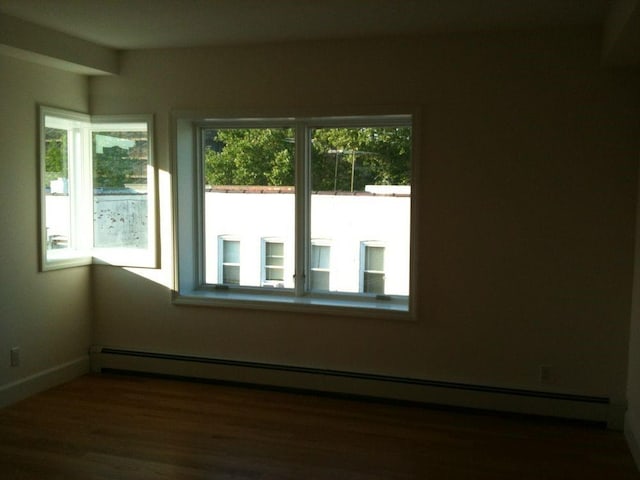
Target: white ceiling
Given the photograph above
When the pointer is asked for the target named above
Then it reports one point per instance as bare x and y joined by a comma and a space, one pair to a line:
136, 24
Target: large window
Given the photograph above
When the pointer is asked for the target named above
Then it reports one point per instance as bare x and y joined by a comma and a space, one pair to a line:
306, 196
97, 190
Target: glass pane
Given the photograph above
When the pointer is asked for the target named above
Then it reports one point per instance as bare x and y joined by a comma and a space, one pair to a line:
231, 274
374, 259
320, 256
249, 193
373, 282
274, 273
361, 192
319, 280
274, 261
56, 184
231, 251
274, 249
120, 160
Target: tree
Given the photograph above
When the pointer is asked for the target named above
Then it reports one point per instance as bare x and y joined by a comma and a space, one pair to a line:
350, 158
115, 165
342, 159
249, 156
55, 161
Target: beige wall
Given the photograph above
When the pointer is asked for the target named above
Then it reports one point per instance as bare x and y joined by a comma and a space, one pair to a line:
47, 315
527, 189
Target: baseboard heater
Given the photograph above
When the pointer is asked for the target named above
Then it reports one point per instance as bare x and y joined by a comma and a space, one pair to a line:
513, 400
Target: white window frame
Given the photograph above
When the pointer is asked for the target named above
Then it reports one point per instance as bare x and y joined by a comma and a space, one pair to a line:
221, 263
188, 187
363, 262
79, 184
264, 267
319, 243
81, 194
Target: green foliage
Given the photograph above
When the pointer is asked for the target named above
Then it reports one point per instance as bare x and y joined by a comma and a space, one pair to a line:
362, 156
55, 161
252, 156
112, 168
115, 166
342, 158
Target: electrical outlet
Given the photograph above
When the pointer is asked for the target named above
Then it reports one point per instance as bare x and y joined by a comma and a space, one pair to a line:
546, 374
15, 356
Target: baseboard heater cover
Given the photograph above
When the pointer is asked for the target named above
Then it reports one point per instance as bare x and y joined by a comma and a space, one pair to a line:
555, 404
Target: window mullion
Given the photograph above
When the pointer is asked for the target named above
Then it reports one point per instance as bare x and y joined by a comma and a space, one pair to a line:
302, 222
82, 184
198, 198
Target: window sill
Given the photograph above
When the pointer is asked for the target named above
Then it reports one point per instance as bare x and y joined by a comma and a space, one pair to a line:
64, 258
369, 308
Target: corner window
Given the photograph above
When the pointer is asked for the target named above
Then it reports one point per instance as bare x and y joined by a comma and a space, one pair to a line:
305, 195
97, 190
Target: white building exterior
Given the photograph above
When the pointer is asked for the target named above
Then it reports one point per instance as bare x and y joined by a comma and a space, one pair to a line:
347, 223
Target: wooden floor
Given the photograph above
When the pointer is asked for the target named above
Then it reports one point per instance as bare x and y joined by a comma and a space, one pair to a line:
118, 427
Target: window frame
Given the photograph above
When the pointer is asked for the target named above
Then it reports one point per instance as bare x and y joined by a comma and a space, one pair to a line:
221, 263
81, 194
264, 281
79, 247
363, 263
188, 188
316, 242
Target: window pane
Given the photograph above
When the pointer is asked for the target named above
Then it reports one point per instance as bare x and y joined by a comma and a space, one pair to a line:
230, 262
249, 192
274, 250
274, 273
274, 261
320, 264
231, 251
120, 160
320, 256
231, 274
374, 258
319, 280
361, 191
373, 283
56, 184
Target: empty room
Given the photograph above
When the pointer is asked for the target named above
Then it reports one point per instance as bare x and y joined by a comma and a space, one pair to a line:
189, 291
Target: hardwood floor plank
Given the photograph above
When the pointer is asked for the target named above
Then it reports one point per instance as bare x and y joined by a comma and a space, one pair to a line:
130, 428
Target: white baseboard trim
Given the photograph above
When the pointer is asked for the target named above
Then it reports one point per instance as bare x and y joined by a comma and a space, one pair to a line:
25, 387
632, 438
554, 404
